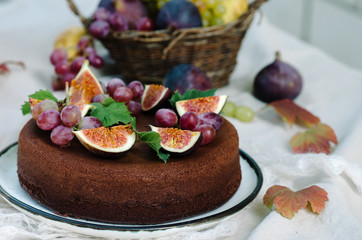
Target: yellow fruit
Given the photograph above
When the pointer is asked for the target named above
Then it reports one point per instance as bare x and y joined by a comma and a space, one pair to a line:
234, 9
69, 38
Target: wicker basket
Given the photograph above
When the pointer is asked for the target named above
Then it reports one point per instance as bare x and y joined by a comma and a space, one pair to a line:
148, 56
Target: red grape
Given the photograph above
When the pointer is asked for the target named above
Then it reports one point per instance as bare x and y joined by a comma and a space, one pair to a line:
99, 28
123, 94
118, 22
100, 97
62, 67
61, 135
113, 84
48, 120
83, 43
144, 24
189, 121
95, 60
58, 55
77, 64
165, 117
70, 115
43, 106
101, 14
89, 122
68, 77
134, 107
208, 133
137, 89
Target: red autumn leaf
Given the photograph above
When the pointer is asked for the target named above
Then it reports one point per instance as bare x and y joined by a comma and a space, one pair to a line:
317, 139
288, 202
290, 112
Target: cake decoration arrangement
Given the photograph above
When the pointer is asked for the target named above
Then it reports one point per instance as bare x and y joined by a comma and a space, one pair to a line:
171, 157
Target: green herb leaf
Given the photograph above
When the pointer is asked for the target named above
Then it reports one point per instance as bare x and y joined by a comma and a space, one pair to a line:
112, 114
153, 139
190, 94
41, 95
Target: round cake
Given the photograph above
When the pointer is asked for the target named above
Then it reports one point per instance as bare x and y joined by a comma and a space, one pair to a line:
135, 188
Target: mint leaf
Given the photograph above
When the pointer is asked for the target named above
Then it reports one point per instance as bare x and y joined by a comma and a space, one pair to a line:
113, 113
190, 94
25, 108
41, 95
153, 139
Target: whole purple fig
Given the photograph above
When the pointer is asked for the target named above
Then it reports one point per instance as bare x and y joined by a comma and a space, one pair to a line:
276, 81
178, 14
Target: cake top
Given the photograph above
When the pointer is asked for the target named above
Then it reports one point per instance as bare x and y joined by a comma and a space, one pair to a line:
103, 118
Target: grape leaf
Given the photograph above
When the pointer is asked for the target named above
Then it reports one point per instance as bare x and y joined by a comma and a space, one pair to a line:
111, 114
153, 139
317, 139
288, 202
41, 95
290, 112
191, 94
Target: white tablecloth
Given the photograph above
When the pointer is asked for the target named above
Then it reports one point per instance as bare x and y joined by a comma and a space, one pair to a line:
331, 90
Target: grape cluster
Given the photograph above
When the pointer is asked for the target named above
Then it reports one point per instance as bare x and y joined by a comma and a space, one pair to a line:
121, 92
60, 121
104, 21
242, 112
66, 68
206, 123
211, 11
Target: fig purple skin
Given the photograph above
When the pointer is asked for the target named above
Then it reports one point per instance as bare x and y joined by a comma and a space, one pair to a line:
187, 76
277, 81
212, 119
178, 14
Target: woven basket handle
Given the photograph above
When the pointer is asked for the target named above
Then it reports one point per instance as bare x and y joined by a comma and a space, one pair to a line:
77, 13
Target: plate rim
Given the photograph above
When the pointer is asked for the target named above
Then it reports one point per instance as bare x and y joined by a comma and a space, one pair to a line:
141, 227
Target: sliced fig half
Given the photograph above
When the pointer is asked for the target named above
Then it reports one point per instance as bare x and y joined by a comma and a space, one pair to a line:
107, 141
84, 88
154, 97
177, 141
201, 105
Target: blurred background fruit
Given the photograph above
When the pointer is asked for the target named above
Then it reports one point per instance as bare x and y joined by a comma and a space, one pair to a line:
213, 12
69, 38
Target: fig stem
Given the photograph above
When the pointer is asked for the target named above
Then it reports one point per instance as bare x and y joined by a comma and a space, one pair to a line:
277, 55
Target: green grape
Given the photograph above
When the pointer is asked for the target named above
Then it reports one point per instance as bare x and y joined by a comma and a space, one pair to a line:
207, 15
217, 21
244, 113
229, 109
219, 10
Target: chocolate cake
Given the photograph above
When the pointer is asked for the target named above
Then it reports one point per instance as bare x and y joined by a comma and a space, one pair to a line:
136, 188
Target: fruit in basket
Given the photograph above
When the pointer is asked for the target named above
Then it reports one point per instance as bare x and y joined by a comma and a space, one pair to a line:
118, 22
177, 141
123, 15
201, 105
99, 28
154, 97
276, 81
178, 14
107, 141
234, 9
187, 76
